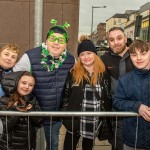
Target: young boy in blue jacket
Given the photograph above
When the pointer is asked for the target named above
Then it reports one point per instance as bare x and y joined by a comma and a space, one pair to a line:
133, 94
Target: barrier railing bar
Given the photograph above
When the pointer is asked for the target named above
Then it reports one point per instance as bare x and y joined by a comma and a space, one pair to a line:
68, 113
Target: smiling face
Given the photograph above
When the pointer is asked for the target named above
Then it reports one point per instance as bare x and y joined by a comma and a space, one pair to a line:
25, 85
141, 60
56, 44
8, 58
87, 58
117, 41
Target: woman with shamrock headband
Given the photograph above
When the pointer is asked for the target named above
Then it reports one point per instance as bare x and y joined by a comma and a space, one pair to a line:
50, 64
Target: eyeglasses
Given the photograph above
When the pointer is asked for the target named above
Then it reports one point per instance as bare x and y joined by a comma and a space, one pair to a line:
61, 40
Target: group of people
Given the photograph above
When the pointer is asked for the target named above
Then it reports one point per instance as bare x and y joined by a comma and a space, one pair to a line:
49, 78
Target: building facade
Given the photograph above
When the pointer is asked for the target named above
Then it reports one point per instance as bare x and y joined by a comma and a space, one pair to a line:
99, 36
101, 29
130, 24
145, 26
17, 21
136, 24
117, 20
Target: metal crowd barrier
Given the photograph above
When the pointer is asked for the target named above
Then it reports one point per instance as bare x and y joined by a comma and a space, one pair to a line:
68, 114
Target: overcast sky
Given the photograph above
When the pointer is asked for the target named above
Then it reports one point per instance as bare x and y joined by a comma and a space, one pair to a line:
100, 15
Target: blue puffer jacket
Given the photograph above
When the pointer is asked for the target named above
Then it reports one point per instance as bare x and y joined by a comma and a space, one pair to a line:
132, 91
49, 86
2, 72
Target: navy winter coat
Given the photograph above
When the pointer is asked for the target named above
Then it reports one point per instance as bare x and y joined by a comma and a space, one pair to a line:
132, 91
49, 86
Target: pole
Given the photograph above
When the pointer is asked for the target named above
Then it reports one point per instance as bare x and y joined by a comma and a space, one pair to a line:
38, 22
92, 15
92, 21
149, 28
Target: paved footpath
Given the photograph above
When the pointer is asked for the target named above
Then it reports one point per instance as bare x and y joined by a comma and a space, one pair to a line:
99, 145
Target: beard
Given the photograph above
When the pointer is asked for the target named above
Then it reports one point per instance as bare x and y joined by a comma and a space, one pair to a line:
118, 50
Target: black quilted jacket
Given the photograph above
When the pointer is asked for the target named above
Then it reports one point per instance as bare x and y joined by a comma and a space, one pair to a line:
20, 136
74, 95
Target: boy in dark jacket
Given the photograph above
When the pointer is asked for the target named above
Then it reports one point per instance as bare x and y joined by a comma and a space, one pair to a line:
133, 94
18, 131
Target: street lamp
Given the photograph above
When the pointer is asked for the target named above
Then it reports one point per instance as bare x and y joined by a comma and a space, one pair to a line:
92, 15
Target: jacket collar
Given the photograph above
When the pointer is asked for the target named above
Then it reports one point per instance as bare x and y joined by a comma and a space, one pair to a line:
116, 55
142, 73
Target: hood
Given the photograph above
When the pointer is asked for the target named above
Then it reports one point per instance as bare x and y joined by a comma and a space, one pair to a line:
10, 81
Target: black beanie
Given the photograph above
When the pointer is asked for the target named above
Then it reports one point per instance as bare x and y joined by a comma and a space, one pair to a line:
86, 45
57, 29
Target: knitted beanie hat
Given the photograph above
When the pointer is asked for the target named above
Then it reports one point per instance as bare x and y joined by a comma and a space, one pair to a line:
86, 45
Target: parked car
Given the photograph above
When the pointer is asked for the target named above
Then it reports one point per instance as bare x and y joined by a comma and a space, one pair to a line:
100, 49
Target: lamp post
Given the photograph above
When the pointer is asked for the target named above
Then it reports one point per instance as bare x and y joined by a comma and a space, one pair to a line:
92, 15
149, 29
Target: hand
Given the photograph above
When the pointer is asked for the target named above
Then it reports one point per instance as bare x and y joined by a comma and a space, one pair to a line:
24, 109
144, 111
16, 103
29, 106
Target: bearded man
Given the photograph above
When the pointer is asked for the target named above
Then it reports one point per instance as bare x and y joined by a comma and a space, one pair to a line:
117, 62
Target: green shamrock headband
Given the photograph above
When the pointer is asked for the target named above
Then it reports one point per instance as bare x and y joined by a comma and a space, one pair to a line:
54, 22
58, 29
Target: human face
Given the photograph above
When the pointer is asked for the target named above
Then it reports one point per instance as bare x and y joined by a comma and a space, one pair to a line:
141, 60
56, 47
87, 58
117, 41
25, 85
8, 58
